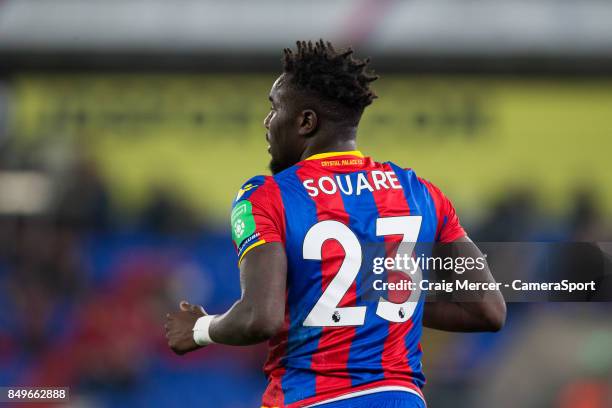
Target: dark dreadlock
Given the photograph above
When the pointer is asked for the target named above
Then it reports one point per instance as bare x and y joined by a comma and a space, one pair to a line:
336, 76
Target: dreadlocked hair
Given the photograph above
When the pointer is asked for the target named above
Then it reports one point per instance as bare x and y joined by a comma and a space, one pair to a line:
338, 76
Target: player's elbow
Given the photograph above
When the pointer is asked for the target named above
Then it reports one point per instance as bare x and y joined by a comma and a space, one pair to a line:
264, 323
494, 316
264, 327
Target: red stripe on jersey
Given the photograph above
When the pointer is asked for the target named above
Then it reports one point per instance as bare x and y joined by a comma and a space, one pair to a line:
265, 195
392, 203
329, 362
274, 195
273, 368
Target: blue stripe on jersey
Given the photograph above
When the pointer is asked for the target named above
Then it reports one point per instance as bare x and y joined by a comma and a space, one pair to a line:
365, 356
412, 345
304, 285
421, 203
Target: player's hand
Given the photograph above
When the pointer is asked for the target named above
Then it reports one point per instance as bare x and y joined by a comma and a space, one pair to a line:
179, 327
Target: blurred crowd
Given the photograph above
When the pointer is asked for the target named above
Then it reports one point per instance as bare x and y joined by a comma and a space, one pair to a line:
84, 288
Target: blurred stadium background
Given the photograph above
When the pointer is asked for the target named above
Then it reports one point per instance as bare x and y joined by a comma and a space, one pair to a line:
126, 128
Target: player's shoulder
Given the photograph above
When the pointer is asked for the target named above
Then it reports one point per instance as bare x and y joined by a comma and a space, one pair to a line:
253, 187
407, 172
415, 180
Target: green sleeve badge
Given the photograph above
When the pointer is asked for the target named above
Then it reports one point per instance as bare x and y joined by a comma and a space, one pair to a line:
243, 223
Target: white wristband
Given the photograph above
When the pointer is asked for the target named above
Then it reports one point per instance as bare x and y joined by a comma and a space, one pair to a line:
201, 328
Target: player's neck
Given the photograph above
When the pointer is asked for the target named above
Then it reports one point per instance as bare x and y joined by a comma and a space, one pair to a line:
345, 145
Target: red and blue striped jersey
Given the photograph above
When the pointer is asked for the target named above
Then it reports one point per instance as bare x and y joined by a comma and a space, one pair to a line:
334, 343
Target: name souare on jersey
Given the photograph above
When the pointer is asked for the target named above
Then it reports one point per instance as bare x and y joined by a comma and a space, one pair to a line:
335, 344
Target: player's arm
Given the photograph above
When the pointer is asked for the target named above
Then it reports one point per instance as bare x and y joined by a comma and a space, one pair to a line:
257, 225
467, 311
260, 312
257, 316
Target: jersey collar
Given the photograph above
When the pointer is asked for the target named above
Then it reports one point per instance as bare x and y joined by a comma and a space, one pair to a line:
334, 154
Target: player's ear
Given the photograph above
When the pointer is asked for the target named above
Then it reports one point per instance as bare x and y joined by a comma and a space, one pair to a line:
308, 122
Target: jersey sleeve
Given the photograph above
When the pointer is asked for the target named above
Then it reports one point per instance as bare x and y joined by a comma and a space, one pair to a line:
449, 228
256, 216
